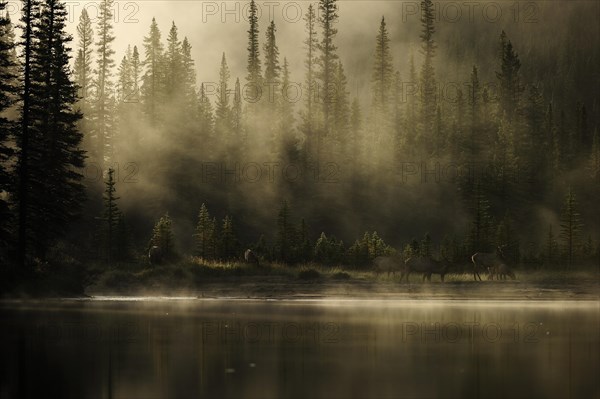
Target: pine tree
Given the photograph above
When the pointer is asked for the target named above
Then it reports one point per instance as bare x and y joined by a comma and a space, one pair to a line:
136, 75
272, 87
254, 90
112, 215
222, 116
383, 73
162, 236
104, 101
327, 60
254, 67
570, 228
189, 77
510, 80
228, 241
125, 79
152, 86
174, 64
236, 113
204, 235
8, 95
310, 90
29, 12
83, 63
474, 109
205, 114
428, 84
341, 106
286, 114
50, 159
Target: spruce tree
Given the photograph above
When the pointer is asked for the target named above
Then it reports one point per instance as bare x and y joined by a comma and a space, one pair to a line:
189, 77
83, 63
204, 235
112, 215
382, 74
510, 79
327, 60
174, 64
222, 113
104, 101
30, 10
152, 86
162, 236
310, 90
428, 84
50, 159
8, 95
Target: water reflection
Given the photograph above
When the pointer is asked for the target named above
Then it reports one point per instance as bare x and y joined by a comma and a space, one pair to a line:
287, 349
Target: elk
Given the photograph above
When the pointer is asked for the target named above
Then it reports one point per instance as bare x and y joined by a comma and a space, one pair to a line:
389, 264
251, 257
487, 260
427, 266
501, 271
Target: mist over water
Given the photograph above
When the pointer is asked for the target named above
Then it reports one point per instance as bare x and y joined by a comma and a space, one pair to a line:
283, 349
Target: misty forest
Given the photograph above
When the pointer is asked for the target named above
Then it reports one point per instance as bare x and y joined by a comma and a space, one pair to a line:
409, 136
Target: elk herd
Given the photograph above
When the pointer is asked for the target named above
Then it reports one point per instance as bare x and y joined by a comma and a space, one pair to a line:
492, 262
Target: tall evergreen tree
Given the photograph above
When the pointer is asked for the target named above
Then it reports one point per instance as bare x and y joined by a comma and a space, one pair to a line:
383, 72
50, 158
8, 95
189, 77
111, 215
510, 79
29, 12
428, 84
83, 62
205, 233
327, 60
310, 90
136, 74
205, 114
104, 101
174, 64
162, 236
152, 86
222, 115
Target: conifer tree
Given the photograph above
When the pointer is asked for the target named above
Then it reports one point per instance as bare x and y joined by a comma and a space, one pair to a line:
104, 100
222, 112
383, 73
510, 80
162, 236
310, 90
327, 60
8, 95
204, 235
428, 84
112, 215
174, 64
152, 86
49, 158
83, 62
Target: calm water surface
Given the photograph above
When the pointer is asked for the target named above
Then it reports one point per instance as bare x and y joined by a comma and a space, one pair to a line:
189, 348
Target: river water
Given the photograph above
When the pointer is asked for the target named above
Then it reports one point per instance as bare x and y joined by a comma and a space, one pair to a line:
219, 348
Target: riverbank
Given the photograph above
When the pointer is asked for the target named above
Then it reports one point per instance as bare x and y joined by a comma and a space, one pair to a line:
277, 281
